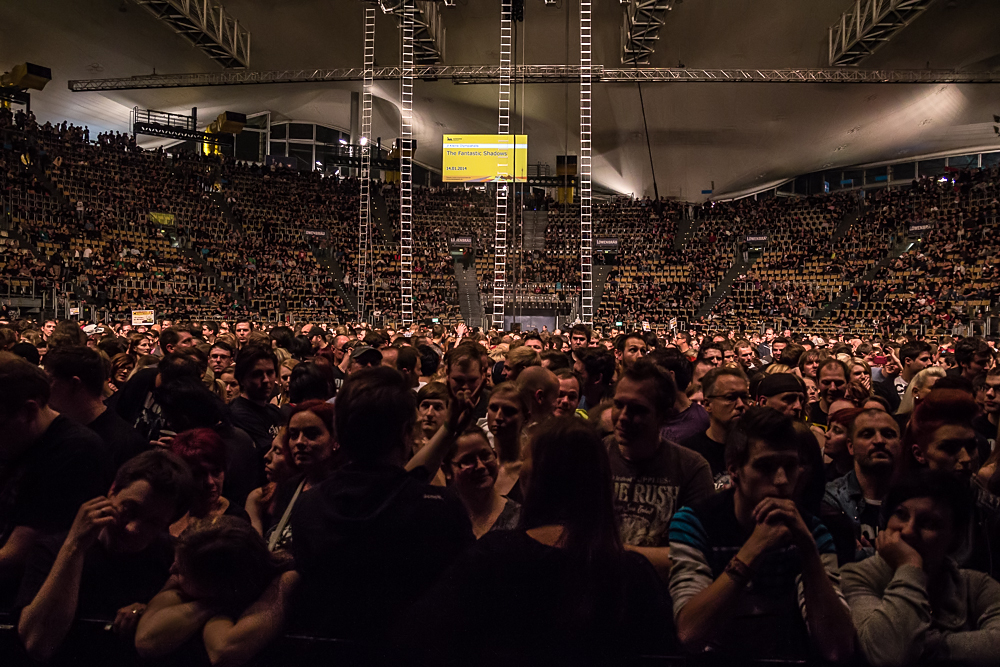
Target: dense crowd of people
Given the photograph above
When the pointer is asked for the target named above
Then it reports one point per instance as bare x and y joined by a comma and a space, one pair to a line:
206, 488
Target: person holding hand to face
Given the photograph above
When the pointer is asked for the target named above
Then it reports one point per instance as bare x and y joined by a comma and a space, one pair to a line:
910, 601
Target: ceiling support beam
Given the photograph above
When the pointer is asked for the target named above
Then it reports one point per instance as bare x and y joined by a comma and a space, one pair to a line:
208, 26
869, 24
428, 29
641, 29
539, 74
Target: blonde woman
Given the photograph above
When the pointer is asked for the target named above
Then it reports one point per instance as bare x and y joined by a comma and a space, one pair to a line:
919, 387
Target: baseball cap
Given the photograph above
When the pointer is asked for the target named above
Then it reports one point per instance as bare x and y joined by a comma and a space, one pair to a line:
779, 383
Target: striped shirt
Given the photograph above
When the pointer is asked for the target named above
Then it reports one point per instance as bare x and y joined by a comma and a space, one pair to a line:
769, 618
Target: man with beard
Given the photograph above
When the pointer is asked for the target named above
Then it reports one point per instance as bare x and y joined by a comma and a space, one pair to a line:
874, 442
832, 379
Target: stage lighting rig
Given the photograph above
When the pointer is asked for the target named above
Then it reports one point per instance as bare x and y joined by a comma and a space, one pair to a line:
26, 76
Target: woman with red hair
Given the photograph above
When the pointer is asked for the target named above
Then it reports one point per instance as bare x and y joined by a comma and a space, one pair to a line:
940, 434
310, 446
205, 453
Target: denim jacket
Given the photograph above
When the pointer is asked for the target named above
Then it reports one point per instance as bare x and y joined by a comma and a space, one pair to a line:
844, 494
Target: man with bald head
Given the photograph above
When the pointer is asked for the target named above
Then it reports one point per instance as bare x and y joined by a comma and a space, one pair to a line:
541, 386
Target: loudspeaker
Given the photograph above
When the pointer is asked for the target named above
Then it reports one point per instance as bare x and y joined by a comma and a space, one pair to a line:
27, 75
230, 122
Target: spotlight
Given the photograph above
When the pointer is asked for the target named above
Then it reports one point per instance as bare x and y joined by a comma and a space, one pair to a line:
364, 141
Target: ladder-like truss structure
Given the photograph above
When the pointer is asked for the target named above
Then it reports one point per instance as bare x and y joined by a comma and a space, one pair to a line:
207, 25
641, 29
364, 217
490, 74
428, 29
503, 187
584, 174
406, 170
869, 24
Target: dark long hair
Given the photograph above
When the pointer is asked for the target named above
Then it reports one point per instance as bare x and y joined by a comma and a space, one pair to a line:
569, 484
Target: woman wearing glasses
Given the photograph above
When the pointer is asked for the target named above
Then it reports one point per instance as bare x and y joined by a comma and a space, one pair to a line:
472, 471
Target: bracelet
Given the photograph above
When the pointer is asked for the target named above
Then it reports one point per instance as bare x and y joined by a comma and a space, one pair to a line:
738, 571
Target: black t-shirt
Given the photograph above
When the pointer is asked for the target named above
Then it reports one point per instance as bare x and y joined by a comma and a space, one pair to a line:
987, 431
482, 406
368, 542
108, 582
551, 607
713, 451
260, 422
244, 470
124, 441
816, 415
67, 466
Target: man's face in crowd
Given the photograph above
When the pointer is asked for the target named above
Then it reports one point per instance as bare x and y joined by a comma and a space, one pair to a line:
466, 380
48, 328
745, 356
712, 356
979, 364
185, 341
141, 517
790, 403
635, 349
219, 359
578, 341
728, 400
769, 472
569, 397
634, 413
338, 347
952, 449
431, 412
259, 383
776, 349
769, 335
242, 331
206, 332
922, 361
534, 344
991, 395
832, 383
875, 444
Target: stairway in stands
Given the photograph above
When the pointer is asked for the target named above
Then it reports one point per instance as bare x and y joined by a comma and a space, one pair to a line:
600, 273
686, 227
845, 294
468, 294
845, 223
534, 224
380, 217
332, 266
219, 199
722, 289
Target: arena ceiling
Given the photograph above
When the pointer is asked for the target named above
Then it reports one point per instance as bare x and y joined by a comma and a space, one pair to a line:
739, 136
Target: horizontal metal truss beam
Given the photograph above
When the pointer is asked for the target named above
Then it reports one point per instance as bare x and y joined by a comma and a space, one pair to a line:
428, 31
641, 29
173, 132
208, 26
541, 74
869, 24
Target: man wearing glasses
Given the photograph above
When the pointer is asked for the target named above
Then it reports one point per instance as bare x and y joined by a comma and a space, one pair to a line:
727, 395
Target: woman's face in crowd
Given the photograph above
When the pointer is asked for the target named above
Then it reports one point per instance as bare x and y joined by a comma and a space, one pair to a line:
310, 441
953, 449
210, 479
810, 366
859, 374
926, 527
232, 386
474, 466
835, 446
812, 391
275, 465
121, 375
284, 375
144, 346
920, 393
503, 416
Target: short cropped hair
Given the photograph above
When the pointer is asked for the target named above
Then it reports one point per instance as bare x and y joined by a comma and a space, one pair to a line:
761, 424
167, 474
68, 362
709, 379
665, 391
20, 382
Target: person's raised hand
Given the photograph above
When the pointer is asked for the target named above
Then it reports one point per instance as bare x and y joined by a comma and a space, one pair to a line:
92, 517
460, 413
894, 550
